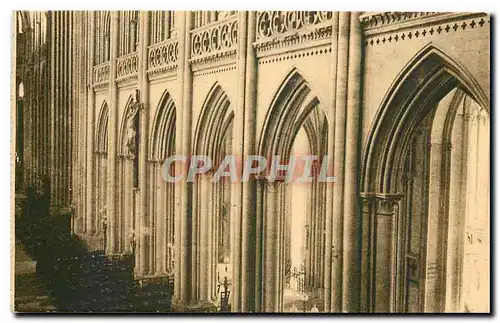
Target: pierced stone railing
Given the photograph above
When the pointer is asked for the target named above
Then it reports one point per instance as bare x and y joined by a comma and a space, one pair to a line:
277, 23
163, 57
127, 66
215, 41
100, 74
280, 31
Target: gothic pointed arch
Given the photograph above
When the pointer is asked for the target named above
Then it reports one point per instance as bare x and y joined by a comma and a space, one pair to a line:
159, 246
100, 169
102, 36
101, 134
293, 103
23, 21
215, 117
295, 109
213, 138
162, 136
412, 171
429, 75
127, 175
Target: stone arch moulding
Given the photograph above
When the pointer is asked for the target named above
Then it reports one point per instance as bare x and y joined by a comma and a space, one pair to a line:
214, 121
429, 75
101, 134
162, 134
210, 126
294, 106
25, 21
290, 102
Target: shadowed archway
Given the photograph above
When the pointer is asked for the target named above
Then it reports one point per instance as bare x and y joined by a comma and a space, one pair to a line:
408, 188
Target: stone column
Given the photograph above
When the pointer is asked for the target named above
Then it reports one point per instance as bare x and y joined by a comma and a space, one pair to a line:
55, 103
259, 245
183, 144
367, 240
170, 232
213, 16
308, 239
237, 150
471, 205
435, 227
167, 24
82, 112
338, 197
204, 227
456, 214
195, 241
128, 193
310, 273
111, 211
208, 218
248, 208
91, 202
162, 203
143, 84
280, 214
351, 246
387, 213
317, 238
215, 211
270, 283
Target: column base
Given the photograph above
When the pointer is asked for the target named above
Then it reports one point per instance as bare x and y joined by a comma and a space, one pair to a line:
94, 242
199, 307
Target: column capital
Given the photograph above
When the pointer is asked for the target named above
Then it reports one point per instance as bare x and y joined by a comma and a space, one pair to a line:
446, 145
388, 202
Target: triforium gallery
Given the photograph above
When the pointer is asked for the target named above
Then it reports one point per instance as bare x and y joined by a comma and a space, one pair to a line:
399, 103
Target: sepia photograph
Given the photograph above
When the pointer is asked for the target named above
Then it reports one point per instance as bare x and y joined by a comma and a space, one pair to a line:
285, 162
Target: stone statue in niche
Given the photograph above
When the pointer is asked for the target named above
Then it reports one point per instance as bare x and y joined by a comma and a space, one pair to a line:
132, 124
132, 242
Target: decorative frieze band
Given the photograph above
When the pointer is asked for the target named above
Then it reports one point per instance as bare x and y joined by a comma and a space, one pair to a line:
418, 25
216, 70
323, 50
163, 57
100, 74
215, 42
127, 66
377, 20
